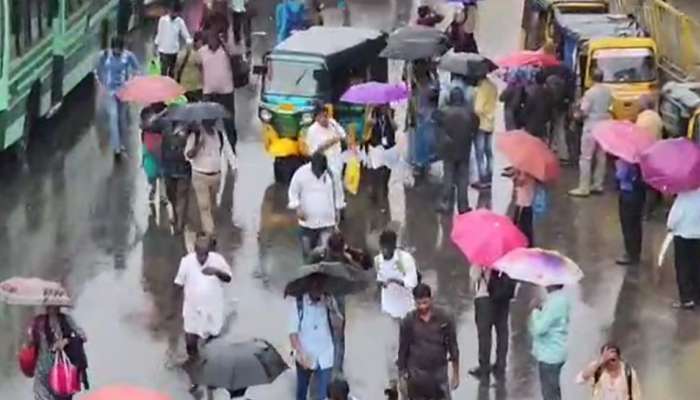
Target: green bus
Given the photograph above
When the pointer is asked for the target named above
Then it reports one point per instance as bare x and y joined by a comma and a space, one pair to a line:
46, 48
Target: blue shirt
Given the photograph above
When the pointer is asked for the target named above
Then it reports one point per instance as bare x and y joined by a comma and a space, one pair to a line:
113, 71
549, 328
684, 218
314, 330
627, 175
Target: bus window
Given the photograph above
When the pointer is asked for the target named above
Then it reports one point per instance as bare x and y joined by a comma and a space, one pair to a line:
31, 22
73, 6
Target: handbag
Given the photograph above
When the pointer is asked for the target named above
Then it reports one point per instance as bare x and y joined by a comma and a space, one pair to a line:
27, 359
352, 175
64, 379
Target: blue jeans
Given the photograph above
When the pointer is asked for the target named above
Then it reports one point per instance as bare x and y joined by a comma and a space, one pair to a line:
484, 156
116, 119
549, 380
323, 379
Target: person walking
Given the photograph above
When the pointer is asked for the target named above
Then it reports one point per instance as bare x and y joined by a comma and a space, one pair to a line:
513, 98
114, 67
171, 29
559, 83
242, 27
425, 95
312, 320
537, 108
427, 343
595, 107
202, 275
177, 173
317, 196
610, 377
524, 187
382, 139
632, 195
457, 126
549, 328
461, 30
485, 107
428, 17
188, 69
51, 333
650, 120
684, 224
325, 136
210, 155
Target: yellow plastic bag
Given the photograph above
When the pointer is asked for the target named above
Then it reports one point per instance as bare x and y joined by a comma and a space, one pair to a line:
352, 175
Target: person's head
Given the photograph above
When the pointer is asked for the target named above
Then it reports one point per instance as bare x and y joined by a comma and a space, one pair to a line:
321, 116
423, 296
646, 102
208, 125
423, 11
175, 9
213, 41
202, 246
197, 39
387, 243
597, 76
336, 243
319, 164
117, 45
456, 97
614, 356
338, 389
554, 288
316, 282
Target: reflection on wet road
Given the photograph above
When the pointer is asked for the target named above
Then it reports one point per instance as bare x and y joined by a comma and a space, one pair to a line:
77, 217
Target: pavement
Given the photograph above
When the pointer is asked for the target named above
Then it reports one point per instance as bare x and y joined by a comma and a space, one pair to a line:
77, 217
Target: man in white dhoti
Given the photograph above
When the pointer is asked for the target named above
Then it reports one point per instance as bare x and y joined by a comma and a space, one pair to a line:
202, 275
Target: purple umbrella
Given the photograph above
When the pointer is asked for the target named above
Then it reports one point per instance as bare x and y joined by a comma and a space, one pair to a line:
372, 93
672, 166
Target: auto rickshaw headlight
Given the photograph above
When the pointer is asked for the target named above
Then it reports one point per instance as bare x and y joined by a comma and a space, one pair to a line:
307, 118
265, 115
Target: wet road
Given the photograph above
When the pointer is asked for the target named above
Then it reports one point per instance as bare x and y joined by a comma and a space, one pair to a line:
78, 218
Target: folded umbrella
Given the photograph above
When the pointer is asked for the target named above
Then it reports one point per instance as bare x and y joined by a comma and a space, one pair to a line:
196, 112
337, 279
119, 392
33, 292
528, 58
237, 366
415, 42
672, 166
623, 139
539, 266
150, 89
484, 236
529, 154
468, 64
372, 93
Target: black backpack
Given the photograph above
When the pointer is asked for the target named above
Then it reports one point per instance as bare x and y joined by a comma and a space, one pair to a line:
628, 377
501, 287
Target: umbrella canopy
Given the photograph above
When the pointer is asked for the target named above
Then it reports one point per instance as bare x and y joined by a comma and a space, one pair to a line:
484, 236
623, 139
539, 266
124, 392
338, 279
529, 154
672, 166
150, 89
468, 64
196, 112
33, 292
372, 93
236, 366
528, 58
415, 42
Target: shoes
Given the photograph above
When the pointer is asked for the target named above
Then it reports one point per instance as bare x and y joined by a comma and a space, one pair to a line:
479, 373
597, 190
578, 192
498, 371
481, 185
626, 260
688, 305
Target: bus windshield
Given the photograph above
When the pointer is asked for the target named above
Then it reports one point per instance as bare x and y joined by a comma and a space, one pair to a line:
625, 65
292, 78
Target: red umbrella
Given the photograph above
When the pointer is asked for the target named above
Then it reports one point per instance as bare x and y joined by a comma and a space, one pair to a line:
529, 154
484, 236
528, 58
150, 89
623, 139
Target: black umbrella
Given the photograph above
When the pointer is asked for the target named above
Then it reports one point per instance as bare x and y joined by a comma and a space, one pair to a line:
195, 112
415, 42
467, 64
338, 279
237, 366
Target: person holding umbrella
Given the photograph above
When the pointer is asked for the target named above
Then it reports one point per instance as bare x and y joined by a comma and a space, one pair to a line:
684, 224
632, 195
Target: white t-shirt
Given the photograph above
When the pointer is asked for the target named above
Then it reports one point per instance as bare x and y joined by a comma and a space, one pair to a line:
397, 300
203, 305
318, 135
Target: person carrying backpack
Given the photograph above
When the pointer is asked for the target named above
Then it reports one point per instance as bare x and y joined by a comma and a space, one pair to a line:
611, 378
493, 291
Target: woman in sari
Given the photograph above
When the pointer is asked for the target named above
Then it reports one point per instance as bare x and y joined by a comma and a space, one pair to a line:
423, 104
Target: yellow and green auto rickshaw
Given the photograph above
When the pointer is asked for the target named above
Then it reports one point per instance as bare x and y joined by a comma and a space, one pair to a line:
538, 18
679, 106
315, 66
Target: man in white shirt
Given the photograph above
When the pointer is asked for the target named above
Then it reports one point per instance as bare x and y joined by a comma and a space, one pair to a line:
397, 274
202, 275
325, 136
241, 22
171, 27
210, 155
317, 197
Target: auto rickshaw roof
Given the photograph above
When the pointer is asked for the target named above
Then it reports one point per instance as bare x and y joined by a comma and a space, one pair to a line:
336, 45
685, 93
597, 26
546, 4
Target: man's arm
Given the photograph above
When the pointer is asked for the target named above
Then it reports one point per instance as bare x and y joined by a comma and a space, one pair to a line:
192, 146
542, 319
184, 32
404, 345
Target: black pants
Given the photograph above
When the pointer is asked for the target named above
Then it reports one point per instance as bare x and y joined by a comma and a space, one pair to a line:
178, 192
167, 64
488, 315
455, 177
631, 210
379, 183
687, 261
227, 100
242, 25
192, 345
194, 96
522, 218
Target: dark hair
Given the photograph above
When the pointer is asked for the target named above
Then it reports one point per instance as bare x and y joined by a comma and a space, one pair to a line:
456, 97
388, 238
423, 11
422, 291
176, 6
338, 389
336, 242
611, 346
198, 36
318, 157
117, 42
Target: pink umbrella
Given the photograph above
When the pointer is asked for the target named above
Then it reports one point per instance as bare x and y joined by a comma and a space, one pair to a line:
33, 292
672, 166
375, 93
623, 139
484, 236
150, 89
539, 266
528, 58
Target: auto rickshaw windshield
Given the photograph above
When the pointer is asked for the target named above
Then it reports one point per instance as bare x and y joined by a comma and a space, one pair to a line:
292, 78
625, 65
